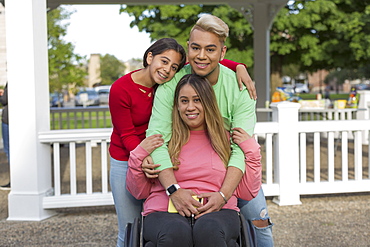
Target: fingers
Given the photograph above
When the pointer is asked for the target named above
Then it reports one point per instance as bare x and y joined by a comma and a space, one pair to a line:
149, 168
215, 203
238, 129
249, 84
189, 211
239, 135
151, 173
152, 142
240, 84
252, 93
184, 203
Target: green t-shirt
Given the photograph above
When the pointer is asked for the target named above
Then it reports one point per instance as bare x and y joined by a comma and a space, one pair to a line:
237, 110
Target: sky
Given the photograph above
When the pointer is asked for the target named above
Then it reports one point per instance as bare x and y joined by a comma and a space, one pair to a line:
101, 29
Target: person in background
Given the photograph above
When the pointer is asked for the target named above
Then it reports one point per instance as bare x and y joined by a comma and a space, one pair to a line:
206, 47
200, 151
5, 127
130, 104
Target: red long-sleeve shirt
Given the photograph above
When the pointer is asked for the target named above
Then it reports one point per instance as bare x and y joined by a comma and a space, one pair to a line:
130, 105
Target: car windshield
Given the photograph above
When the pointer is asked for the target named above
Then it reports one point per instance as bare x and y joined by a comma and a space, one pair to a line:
103, 91
89, 92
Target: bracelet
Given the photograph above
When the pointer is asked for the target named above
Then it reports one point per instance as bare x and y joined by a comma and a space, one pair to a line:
223, 196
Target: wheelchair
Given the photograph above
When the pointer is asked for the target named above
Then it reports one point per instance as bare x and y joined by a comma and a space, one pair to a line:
134, 233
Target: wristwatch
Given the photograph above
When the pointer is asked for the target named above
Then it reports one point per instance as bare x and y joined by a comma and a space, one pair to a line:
172, 189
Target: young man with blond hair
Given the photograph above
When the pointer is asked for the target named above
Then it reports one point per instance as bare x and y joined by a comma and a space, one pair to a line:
206, 47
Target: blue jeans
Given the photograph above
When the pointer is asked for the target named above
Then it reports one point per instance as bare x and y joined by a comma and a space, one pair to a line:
256, 209
127, 207
5, 133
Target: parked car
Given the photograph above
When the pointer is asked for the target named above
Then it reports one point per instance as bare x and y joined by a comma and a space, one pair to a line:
103, 92
297, 88
56, 100
301, 88
87, 97
362, 86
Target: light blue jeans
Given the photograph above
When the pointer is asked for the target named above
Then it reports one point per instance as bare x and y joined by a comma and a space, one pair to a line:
127, 207
256, 209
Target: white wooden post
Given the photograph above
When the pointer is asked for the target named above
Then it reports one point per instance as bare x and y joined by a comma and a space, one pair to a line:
287, 152
364, 114
27, 60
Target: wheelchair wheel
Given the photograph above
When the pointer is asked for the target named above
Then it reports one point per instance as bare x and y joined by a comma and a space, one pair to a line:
247, 236
133, 233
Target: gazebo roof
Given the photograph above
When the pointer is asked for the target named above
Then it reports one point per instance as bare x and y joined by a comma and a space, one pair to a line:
234, 3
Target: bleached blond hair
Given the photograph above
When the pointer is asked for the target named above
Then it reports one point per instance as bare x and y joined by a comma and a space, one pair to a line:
213, 24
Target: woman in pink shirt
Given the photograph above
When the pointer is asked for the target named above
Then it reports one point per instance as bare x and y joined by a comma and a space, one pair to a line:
200, 150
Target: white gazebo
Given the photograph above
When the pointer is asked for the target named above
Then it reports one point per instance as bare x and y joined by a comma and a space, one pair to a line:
27, 67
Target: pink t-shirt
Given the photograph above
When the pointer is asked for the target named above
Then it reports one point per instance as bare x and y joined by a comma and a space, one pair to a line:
201, 170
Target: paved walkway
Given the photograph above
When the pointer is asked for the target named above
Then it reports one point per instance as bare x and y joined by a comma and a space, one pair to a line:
338, 220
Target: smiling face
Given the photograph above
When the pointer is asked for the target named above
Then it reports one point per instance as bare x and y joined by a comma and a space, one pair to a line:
205, 50
162, 67
190, 108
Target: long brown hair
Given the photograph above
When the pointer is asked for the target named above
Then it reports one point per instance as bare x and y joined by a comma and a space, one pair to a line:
163, 45
213, 120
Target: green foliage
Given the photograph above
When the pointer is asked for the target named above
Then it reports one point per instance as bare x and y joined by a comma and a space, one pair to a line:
110, 69
176, 21
314, 34
65, 67
322, 34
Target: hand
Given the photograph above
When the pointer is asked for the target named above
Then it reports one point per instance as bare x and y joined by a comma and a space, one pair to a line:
184, 202
149, 168
152, 142
244, 78
1, 92
239, 135
214, 203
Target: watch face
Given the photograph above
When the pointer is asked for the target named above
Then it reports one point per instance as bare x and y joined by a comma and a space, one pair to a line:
172, 189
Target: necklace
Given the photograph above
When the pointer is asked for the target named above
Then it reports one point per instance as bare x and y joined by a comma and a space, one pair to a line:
144, 91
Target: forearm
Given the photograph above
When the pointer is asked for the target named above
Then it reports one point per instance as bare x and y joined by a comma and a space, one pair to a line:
167, 177
161, 123
231, 64
136, 181
232, 179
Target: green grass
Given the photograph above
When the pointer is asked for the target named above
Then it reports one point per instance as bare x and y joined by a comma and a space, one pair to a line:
308, 96
80, 120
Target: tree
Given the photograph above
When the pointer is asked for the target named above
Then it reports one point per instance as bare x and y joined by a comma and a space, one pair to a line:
65, 67
175, 21
321, 34
110, 69
315, 34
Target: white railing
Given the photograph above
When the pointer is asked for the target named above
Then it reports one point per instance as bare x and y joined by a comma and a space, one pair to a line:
74, 190
293, 160
99, 116
320, 114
